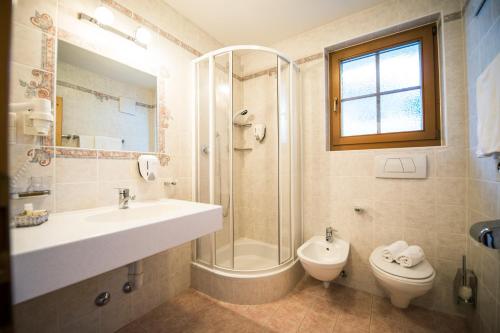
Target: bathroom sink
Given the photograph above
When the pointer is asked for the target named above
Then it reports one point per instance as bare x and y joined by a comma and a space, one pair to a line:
134, 213
73, 246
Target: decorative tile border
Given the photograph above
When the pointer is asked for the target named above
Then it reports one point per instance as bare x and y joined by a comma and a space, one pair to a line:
271, 71
74, 153
99, 95
40, 86
44, 22
61, 152
117, 155
309, 58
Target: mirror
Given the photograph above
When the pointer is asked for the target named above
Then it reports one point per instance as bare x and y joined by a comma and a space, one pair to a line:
103, 104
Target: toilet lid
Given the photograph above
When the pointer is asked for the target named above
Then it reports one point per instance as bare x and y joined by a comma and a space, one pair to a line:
422, 270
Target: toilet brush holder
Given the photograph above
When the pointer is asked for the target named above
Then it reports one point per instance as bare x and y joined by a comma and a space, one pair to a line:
465, 287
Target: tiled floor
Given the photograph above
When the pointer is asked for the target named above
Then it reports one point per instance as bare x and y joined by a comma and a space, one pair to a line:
309, 308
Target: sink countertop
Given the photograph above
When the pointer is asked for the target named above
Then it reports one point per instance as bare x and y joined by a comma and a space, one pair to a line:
73, 246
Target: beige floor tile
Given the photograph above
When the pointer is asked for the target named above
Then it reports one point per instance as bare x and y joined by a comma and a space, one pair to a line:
317, 322
352, 323
307, 309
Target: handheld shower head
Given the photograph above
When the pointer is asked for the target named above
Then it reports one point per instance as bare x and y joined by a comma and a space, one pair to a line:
241, 113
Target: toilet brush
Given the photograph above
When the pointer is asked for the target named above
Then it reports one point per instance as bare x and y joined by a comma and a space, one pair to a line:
464, 292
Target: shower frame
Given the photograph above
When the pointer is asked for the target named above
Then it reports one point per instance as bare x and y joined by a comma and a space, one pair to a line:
294, 122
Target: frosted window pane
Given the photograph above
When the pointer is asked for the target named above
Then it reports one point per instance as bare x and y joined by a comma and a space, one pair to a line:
400, 68
401, 112
358, 77
359, 116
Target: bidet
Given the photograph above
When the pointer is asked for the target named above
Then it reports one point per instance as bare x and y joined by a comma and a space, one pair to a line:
324, 260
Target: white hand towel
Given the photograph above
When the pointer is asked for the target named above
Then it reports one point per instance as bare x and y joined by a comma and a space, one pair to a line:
488, 109
411, 256
390, 252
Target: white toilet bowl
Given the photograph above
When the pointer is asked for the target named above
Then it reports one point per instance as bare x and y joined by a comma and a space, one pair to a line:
323, 260
401, 283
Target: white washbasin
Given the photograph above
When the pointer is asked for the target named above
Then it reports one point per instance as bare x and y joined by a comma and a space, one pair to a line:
137, 214
323, 260
77, 245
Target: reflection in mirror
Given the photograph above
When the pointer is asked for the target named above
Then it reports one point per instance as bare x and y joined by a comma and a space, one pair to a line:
103, 104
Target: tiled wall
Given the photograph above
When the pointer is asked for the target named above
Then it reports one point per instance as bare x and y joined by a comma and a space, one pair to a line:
87, 178
429, 212
482, 43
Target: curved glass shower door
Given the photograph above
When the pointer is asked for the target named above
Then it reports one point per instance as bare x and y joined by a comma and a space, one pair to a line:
246, 157
255, 163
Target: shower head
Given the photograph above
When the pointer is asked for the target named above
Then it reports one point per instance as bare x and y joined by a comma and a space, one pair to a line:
241, 113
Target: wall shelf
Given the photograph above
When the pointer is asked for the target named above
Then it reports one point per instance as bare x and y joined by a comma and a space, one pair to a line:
29, 194
243, 125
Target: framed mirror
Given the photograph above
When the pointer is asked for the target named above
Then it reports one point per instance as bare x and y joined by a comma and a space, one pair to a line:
103, 104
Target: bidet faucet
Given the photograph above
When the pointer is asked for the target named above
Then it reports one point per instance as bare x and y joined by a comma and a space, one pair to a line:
329, 234
124, 197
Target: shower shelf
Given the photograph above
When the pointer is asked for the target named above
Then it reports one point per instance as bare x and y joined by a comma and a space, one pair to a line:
243, 125
242, 149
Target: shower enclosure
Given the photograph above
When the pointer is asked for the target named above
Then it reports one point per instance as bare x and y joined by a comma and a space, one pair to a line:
247, 158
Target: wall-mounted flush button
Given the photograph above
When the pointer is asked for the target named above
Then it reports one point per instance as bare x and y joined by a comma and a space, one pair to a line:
408, 165
103, 298
393, 165
405, 166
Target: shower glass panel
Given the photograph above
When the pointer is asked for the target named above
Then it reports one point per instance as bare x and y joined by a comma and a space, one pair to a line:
247, 158
284, 154
222, 153
296, 162
255, 165
203, 244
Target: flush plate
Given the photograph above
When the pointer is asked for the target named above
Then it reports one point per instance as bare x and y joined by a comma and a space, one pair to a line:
401, 166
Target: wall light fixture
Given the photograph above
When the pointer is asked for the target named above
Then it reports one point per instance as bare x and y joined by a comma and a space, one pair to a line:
104, 17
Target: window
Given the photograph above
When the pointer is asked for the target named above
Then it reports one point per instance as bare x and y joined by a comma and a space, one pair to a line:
384, 93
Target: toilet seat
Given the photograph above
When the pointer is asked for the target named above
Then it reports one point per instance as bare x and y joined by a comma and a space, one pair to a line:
422, 272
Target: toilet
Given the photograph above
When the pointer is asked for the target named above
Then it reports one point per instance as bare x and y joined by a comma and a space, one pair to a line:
401, 283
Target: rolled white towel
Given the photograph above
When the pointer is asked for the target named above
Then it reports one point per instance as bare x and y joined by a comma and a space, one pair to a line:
391, 252
411, 256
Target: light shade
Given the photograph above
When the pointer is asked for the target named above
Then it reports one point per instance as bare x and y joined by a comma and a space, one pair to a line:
104, 15
143, 35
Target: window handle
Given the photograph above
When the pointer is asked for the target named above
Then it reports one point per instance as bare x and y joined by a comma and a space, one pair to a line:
335, 102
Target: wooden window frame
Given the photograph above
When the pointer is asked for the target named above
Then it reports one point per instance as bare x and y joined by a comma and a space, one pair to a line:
431, 133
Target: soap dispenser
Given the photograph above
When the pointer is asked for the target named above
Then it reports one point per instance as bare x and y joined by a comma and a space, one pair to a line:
148, 167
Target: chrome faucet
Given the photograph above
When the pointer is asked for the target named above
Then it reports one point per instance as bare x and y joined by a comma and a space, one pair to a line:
124, 197
329, 235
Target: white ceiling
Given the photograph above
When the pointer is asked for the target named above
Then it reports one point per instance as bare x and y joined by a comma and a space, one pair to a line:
263, 22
